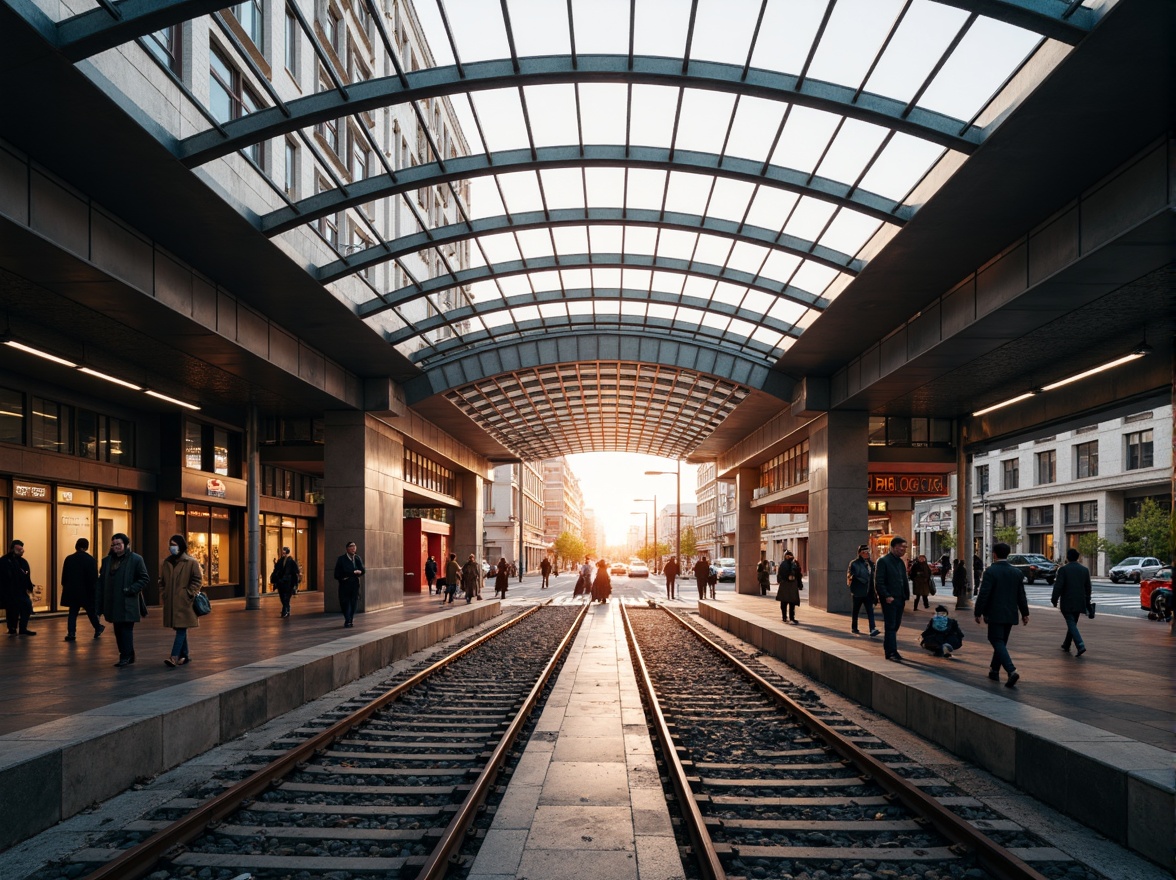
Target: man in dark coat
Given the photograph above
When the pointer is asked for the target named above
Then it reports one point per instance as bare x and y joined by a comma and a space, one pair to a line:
670, 570
121, 582
79, 577
788, 577
893, 586
701, 574
1072, 589
1002, 596
545, 570
285, 578
977, 573
16, 589
431, 573
859, 577
348, 571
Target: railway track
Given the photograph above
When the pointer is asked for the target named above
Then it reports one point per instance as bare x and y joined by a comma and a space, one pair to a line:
390, 789
770, 783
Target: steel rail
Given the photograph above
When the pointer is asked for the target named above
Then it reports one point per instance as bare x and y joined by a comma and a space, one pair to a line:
142, 858
995, 858
437, 863
705, 853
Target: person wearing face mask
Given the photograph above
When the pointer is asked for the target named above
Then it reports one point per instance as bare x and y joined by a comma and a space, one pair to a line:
180, 579
943, 634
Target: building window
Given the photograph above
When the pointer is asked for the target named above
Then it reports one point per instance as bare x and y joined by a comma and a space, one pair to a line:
334, 31
291, 169
207, 448
50, 426
12, 416
1047, 467
1139, 450
1039, 516
251, 16
167, 48
1081, 513
1011, 474
293, 39
1004, 518
982, 479
229, 98
1086, 460
210, 540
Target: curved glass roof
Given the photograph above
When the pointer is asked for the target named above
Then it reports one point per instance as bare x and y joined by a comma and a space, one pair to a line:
710, 171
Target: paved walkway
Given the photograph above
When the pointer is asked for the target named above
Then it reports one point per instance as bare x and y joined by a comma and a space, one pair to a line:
47, 678
585, 802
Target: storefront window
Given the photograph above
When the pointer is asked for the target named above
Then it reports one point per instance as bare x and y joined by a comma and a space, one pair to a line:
193, 446
114, 516
209, 534
51, 426
220, 452
284, 531
120, 441
88, 433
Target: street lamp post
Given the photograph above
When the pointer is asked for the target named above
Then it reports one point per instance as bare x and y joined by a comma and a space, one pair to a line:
677, 506
656, 551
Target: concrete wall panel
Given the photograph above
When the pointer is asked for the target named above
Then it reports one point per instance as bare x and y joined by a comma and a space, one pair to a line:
1002, 280
37, 776
190, 730
101, 767
242, 708
1140, 191
14, 187
59, 215
173, 284
118, 251
1054, 246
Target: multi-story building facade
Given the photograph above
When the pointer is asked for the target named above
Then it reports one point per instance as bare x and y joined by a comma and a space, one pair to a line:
513, 515
1058, 488
563, 500
591, 536
705, 518
670, 522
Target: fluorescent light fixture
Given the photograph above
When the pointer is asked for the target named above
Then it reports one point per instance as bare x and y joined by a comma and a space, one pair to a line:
113, 379
1135, 355
1004, 403
159, 396
40, 354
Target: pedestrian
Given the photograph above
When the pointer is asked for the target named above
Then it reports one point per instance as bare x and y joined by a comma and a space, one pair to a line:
348, 571
1002, 596
859, 577
545, 570
121, 581
584, 581
452, 578
892, 584
943, 634
977, 573
712, 578
959, 579
944, 570
922, 582
763, 573
431, 573
285, 577
790, 584
501, 578
671, 571
180, 579
602, 583
702, 574
16, 588
1072, 590
79, 578
471, 577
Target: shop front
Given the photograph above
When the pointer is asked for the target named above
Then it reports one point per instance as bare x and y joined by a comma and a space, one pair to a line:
209, 513
296, 532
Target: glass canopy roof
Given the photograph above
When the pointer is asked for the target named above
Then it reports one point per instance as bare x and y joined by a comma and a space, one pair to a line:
713, 171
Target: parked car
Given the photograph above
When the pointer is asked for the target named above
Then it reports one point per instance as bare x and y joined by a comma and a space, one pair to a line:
618, 568
1155, 594
638, 570
1034, 566
1135, 568
725, 569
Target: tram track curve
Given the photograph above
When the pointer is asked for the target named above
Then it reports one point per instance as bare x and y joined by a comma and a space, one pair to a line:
392, 787
767, 780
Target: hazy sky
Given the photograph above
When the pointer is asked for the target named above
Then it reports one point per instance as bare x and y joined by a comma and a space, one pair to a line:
611, 480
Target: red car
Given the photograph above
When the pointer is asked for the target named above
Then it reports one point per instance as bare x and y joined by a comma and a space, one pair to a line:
1155, 595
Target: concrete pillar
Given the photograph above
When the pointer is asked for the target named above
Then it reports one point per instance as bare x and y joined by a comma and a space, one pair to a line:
363, 474
963, 516
838, 477
252, 514
468, 520
747, 531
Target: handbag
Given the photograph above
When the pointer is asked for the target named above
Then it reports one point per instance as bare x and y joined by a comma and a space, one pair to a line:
201, 605
1090, 611
142, 606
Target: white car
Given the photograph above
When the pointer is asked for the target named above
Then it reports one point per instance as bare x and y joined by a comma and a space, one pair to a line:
638, 570
1135, 568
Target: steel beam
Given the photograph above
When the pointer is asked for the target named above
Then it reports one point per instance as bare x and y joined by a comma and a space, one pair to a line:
590, 261
449, 235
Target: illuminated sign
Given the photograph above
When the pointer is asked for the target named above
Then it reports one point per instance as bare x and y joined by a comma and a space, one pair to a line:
216, 488
908, 484
28, 490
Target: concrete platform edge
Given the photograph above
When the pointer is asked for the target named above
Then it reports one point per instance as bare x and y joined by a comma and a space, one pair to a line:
1120, 788
57, 769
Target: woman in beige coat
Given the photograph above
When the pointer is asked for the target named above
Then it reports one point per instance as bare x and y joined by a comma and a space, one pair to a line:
180, 579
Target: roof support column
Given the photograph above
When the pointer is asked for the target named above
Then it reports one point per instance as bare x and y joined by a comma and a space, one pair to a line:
747, 531
963, 516
360, 449
468, 521
838, 478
